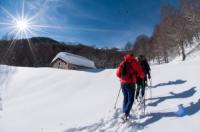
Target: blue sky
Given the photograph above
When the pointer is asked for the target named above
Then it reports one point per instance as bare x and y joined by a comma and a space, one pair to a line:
104, 23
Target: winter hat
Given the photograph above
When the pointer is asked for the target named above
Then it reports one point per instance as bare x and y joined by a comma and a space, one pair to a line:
129, 57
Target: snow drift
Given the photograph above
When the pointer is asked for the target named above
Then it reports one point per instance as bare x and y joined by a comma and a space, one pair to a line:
54, 100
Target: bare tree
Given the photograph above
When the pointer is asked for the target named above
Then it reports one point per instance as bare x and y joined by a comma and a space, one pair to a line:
141, 45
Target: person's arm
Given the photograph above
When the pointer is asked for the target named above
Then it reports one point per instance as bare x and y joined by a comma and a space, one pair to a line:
118, 72
148, 69
147, 66
149, 75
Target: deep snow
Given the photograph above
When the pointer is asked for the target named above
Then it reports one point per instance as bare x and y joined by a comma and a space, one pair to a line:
54, 100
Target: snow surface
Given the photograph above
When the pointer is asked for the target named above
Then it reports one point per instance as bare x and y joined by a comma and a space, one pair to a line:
55, 100
74, 59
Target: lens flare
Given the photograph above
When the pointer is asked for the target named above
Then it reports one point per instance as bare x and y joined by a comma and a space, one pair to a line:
22, 25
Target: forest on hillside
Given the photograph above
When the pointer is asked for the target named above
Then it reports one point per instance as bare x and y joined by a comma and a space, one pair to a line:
176, 30
40, 51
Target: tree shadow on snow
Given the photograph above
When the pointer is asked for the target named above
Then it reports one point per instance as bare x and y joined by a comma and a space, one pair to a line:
179, 81
184, 94
192, 109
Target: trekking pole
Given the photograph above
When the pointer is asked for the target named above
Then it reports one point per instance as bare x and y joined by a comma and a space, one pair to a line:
150, 89
1, 108
150, 82
117, 98
144, 103
144, 98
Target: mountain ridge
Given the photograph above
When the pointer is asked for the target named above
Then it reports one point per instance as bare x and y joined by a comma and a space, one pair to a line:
40, 51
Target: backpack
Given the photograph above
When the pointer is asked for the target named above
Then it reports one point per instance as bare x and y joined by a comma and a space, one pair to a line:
127, 70
145, 66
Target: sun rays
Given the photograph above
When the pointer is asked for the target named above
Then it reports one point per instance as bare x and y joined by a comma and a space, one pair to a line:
22, 26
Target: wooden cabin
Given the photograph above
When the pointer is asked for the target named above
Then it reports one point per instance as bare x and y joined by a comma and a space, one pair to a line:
65, 60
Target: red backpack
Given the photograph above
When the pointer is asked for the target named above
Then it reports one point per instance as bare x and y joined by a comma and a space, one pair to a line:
126, 70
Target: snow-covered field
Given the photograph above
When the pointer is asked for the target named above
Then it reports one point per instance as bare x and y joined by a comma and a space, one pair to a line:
53, 100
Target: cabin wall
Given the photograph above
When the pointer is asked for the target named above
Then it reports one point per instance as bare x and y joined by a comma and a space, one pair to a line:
60, 64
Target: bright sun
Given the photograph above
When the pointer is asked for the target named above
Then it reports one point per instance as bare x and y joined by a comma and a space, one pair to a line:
22, 25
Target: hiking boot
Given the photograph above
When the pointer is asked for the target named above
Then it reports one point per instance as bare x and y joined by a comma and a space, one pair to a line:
124, 117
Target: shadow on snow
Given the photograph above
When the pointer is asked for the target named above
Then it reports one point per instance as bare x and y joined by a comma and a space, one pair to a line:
92, 70
179, 81
184, 94
192, 109
135, 124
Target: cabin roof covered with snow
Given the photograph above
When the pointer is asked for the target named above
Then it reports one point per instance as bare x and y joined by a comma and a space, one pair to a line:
74, 59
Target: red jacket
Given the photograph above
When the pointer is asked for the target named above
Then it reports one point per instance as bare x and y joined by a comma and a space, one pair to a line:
136, 67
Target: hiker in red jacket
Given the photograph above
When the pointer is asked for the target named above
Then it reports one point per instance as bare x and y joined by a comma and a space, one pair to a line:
127, 71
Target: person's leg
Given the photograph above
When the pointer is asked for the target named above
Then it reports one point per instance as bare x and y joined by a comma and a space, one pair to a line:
137, 91
145, 80
143, 91
125, 94
131, 93
143, 88
145, 77
139, 85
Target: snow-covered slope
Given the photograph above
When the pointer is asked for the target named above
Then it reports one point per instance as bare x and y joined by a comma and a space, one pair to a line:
190, 51
54, 100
